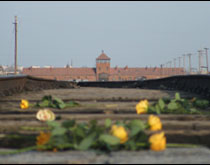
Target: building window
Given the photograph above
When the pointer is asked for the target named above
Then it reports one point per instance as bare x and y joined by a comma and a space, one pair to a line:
103, 61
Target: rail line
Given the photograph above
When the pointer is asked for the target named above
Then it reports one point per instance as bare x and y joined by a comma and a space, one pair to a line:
15, 84
198, 84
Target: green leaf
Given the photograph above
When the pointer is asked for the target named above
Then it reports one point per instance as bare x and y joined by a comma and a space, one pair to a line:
172, 106
44, 103
93, 123
109, 139
157, 109
68, 123
108, 123
48, 98
55, 102
53, 124
58, 131
72, 104
201, 103
80, 132
135, 130
58, 100
193, 110
59, 103
131, 145
166, 99
136, 127
120, 123
61, 106
87, 142
151, 110
137, 123
177, 96
161, 104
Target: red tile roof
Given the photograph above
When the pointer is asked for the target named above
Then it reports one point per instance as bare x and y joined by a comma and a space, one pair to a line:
60, 71
103, 56
145, 71
63, 73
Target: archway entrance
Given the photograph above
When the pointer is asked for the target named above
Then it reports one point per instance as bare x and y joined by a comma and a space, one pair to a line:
103, 77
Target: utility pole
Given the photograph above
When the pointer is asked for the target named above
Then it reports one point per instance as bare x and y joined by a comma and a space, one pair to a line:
199, 61
71, 63
166, 68
15, 44
170, 62
161, 69
184, 62
175, 65
207, 64
189, 55
174, 62
179, 64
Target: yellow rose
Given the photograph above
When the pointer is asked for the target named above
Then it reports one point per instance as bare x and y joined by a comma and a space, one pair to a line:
157, 142
120, 133
24, 104
55, 150
155, 123
45, 115
43, 138
142, 107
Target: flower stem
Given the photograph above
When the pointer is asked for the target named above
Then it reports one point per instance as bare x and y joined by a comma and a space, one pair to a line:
141, 144
182, 145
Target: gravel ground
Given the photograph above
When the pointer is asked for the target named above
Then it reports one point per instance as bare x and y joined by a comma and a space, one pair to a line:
199, 155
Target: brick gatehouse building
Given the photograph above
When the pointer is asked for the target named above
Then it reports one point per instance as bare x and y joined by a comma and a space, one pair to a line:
102, 72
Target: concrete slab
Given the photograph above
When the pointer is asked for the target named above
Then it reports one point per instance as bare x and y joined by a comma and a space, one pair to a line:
199, 155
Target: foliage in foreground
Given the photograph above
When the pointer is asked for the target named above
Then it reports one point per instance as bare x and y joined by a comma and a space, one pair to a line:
84, 136
54, 102
177, 105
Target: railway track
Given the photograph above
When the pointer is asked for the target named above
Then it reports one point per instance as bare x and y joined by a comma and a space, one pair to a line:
199, 84
101, 100
10, 85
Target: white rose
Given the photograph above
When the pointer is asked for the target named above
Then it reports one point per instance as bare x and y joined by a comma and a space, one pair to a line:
45, 115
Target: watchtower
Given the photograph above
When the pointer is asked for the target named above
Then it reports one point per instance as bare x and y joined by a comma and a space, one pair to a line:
102, 67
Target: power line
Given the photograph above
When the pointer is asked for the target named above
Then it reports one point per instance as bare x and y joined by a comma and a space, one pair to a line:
15, 44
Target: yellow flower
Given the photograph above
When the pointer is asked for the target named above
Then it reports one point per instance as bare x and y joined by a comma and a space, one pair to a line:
24, 104
55, 150
142, 107
157, 142
155, 123
45, 115
120, 133
43, 138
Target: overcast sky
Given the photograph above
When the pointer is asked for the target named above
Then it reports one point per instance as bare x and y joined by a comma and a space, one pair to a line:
136, 34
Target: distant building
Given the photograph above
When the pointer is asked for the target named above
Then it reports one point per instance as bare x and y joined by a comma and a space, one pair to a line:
1, 70
9, 70
102, 72
35, 66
